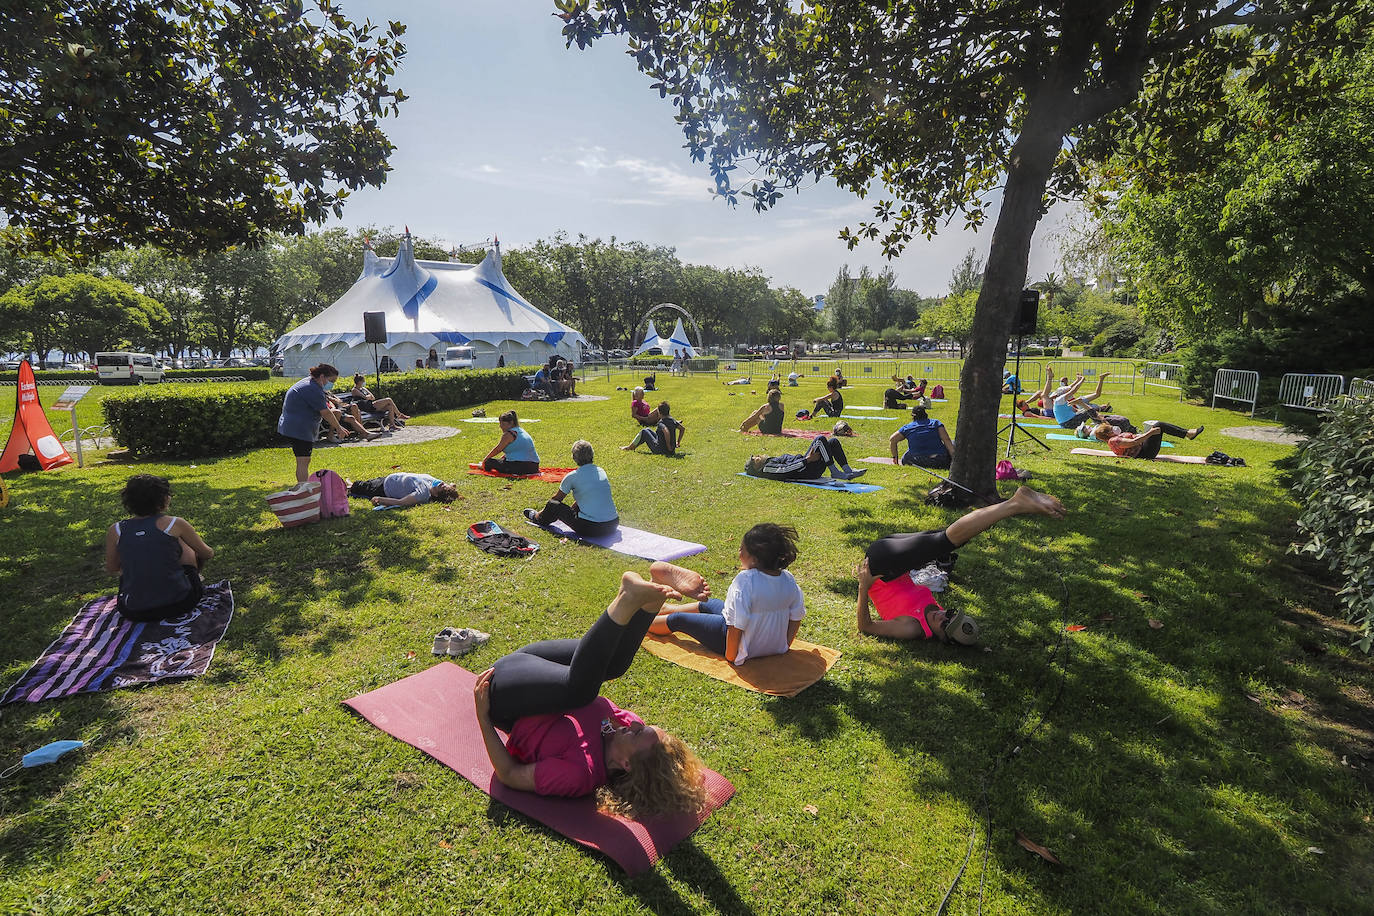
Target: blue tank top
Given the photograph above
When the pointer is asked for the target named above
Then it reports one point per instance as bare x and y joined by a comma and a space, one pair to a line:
150, 573
522, 449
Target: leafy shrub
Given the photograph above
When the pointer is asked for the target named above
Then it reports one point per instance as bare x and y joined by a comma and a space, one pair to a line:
52, 375
646, 359
188, 421
1335, 486
251, 374
696, 363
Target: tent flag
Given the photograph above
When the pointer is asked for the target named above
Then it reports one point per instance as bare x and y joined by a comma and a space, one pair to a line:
31, 431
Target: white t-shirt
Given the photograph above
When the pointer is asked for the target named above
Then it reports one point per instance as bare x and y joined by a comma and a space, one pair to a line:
1059, 397
761, 606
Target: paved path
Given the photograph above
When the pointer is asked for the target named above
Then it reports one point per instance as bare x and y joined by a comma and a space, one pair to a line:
1273, 434
409, 434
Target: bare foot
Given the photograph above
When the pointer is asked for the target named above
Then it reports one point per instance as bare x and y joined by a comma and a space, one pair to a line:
645, 593
685, 581
1038, 503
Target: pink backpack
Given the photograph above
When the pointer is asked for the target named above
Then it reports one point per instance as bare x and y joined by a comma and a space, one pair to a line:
938, 393
333, 494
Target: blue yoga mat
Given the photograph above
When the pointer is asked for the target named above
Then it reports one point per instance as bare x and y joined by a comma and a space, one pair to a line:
829, 483
1071, 438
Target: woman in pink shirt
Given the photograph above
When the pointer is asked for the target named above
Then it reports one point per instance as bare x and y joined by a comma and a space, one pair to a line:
910, 611
564, 739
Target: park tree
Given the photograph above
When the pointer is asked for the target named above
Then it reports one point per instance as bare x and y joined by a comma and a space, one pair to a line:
83, 313
941, 101
192, 124
170, 279
967, 276
841, 307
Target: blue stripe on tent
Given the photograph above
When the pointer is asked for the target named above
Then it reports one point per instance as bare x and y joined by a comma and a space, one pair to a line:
553, 337
501, 292
412, 308
452, 337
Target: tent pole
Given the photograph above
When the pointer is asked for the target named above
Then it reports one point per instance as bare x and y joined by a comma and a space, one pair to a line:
376, 367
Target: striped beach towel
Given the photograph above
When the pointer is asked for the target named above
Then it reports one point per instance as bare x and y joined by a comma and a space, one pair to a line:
299, 505
102, 650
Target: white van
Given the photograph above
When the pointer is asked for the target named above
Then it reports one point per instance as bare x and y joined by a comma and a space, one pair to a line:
459, 358
127, 368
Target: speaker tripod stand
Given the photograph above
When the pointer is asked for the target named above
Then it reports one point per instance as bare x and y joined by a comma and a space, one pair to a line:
1013, 424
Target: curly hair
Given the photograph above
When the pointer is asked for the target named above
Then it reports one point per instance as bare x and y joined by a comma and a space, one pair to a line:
665, 779
772, 546
146, 494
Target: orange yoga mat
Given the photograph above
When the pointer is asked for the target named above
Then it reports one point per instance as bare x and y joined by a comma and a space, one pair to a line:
552, 475
783, 675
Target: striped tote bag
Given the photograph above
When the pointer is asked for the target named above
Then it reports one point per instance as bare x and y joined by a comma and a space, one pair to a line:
299, 505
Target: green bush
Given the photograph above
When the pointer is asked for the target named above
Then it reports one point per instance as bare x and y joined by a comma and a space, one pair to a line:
646, 359
696, 363
252, 374
191, 421
1335, 487
52, 375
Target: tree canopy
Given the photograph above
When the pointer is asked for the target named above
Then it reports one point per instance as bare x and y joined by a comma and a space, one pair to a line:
189, 124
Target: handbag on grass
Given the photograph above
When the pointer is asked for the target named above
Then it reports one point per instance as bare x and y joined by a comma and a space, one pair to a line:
299, 505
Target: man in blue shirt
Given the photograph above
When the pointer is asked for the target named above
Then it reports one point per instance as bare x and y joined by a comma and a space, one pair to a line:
928, 444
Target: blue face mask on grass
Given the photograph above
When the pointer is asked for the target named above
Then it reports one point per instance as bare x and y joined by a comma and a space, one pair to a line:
48, 753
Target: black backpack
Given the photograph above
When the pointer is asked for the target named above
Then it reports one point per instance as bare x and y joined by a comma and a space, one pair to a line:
1222, 458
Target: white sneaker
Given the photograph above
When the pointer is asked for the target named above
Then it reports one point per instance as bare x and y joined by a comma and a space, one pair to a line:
465, 640
443, 640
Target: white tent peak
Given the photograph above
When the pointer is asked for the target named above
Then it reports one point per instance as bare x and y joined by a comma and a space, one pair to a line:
668, 346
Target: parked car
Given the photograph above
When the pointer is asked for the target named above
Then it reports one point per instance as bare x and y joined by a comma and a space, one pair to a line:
620, 354
122, 368
459, 358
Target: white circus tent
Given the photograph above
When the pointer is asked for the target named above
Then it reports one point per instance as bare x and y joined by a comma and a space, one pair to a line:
429, 304
674, 343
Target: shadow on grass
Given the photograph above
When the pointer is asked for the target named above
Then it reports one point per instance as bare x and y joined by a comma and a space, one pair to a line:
1158, 739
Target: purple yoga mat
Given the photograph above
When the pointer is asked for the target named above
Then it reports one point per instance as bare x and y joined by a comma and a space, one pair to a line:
632, 542
101, 649
433, 711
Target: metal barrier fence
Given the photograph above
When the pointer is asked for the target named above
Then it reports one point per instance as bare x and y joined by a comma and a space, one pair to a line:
1162, 375
1118, 372
1236, 385
1361, 388
1309, 391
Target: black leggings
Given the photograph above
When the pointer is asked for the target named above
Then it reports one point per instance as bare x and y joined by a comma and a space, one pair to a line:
892, 399
898, 554
832, 407
175, 609
558, 511
506, 466
829, 449
558, 675
1172, 429
366, 489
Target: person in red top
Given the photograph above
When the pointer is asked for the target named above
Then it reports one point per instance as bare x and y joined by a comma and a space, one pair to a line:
910, 611
1144, 445
564, 739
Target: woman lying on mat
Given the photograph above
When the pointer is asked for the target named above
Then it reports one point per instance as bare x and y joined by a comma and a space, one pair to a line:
761, 612
825, 452
566, 740
362, 396
592, 512
908, 610
1141, 445
928, 444
403, 490
520, 456
768, 418
157, 557
639, 409
664, 438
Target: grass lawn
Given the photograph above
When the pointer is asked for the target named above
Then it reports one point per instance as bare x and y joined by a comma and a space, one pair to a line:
1218, 762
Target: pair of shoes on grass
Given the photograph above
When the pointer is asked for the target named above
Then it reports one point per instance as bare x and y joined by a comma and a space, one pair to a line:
458, 641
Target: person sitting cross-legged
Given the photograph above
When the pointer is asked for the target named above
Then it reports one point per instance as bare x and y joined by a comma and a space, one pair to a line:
928, 444
905, 608
663, 438
593, 511
516, 448
157, 557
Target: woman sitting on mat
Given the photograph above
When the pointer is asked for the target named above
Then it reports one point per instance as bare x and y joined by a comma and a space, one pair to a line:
564, 739
909, 611
639, 409
895, 395
157, 557
761, 612
825, 452
520, 456
928, 444
650, 383
768, 418
662, 439
592, 512
1144, 445
403, 490
361, 395
831, 403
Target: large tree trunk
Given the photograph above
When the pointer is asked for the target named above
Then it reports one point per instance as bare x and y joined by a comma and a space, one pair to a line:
980, 383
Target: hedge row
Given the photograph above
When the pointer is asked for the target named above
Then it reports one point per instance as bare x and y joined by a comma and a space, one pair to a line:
215, 419
697, 363
252, 374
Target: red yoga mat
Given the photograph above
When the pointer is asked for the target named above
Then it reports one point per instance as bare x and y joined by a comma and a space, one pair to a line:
552, 475
433, 711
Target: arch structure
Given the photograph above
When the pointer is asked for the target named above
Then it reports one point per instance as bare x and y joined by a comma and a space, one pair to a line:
677, 340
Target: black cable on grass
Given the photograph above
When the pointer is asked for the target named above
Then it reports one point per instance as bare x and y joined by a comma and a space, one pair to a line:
1013, 747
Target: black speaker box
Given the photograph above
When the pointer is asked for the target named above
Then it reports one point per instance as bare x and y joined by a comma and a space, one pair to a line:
374, 327
1027, 314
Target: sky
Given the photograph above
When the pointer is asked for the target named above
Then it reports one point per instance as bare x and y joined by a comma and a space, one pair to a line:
508, 133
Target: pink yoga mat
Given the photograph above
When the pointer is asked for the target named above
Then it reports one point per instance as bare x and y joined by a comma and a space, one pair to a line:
1175, 459
433, 711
